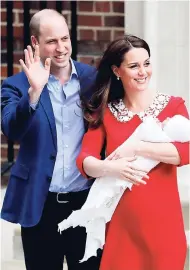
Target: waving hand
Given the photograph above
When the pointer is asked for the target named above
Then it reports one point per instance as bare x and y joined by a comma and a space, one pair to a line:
36, 73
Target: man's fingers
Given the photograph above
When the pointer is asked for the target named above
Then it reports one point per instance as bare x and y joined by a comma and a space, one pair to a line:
36, 54
27, 58
24, 67
47, 64
30, 52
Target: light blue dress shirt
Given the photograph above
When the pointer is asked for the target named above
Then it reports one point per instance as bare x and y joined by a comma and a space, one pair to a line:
70, 130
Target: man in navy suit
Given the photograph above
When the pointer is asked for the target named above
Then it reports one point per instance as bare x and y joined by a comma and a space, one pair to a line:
41, 110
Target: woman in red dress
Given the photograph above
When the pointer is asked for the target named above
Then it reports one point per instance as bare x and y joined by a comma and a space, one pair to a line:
146, 231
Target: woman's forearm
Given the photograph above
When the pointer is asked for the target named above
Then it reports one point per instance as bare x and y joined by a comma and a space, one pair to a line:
163, 152
94, 167
121, 168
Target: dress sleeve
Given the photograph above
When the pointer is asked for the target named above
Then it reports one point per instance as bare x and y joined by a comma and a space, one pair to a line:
92, 144
182, 148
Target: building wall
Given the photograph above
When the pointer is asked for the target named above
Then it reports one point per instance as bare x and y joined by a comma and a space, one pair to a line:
99, 22
165, 26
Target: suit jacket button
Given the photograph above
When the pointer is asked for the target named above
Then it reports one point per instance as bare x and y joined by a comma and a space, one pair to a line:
52, 157
49, 178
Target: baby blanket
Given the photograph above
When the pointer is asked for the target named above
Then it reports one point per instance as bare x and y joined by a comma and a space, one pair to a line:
105, 193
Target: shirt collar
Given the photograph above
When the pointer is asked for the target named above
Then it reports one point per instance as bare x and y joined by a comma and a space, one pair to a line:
73, 69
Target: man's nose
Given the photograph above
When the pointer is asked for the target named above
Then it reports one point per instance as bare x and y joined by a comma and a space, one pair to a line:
60, 47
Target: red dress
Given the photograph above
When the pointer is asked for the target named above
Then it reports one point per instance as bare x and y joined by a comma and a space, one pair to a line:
146, 231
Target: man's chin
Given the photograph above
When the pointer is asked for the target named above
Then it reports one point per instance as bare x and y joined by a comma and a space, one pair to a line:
59, 65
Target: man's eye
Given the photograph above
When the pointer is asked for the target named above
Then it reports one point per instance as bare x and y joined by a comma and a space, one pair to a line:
147, 64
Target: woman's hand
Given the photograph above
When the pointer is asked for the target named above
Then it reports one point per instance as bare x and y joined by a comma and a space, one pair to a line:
124, 169
127, 149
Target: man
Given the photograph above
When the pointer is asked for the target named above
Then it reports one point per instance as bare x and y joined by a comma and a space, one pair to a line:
40, 110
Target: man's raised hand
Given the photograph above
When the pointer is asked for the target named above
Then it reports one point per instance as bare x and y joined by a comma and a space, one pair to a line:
37, 74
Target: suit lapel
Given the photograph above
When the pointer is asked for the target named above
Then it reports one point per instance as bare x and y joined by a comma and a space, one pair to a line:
47, 106
86, 81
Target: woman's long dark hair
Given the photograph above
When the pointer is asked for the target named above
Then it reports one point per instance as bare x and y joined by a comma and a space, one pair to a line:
107, 87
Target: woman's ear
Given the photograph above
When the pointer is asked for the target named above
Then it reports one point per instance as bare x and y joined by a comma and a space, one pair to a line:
115, 70
34, 41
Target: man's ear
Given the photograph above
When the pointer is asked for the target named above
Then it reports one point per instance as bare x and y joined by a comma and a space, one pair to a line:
115, 70
34, 41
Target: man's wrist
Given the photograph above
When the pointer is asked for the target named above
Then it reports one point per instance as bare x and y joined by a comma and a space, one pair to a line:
34, 95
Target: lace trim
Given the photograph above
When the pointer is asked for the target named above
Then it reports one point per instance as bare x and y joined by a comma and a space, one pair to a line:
122, 114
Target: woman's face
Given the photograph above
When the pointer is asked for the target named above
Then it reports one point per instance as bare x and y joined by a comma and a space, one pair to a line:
135, 71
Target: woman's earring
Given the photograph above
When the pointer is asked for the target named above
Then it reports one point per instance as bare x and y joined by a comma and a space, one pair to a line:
117, 78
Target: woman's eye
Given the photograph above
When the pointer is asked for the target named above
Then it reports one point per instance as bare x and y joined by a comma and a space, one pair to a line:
147, 64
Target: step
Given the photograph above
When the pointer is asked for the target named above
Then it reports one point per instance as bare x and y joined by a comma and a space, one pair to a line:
18, 265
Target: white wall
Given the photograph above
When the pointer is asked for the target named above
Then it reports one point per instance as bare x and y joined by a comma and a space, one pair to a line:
165, 26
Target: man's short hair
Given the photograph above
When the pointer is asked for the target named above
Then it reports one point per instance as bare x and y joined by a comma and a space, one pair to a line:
37, 18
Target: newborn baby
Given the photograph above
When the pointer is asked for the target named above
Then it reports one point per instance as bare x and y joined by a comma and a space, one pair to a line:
96, 213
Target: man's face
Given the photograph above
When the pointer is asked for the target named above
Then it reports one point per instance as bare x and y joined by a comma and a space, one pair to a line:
54, 42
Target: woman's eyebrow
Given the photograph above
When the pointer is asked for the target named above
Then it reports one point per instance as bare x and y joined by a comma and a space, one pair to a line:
135, 63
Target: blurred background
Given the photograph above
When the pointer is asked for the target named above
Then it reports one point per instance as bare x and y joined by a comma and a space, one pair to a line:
93, 24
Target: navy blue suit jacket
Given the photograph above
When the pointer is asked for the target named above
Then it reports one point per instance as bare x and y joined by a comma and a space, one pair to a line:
36, 132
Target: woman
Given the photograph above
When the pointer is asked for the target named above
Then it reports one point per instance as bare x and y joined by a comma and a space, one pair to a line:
146, 231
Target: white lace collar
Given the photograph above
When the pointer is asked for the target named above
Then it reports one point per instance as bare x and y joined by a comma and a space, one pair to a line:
122, 114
